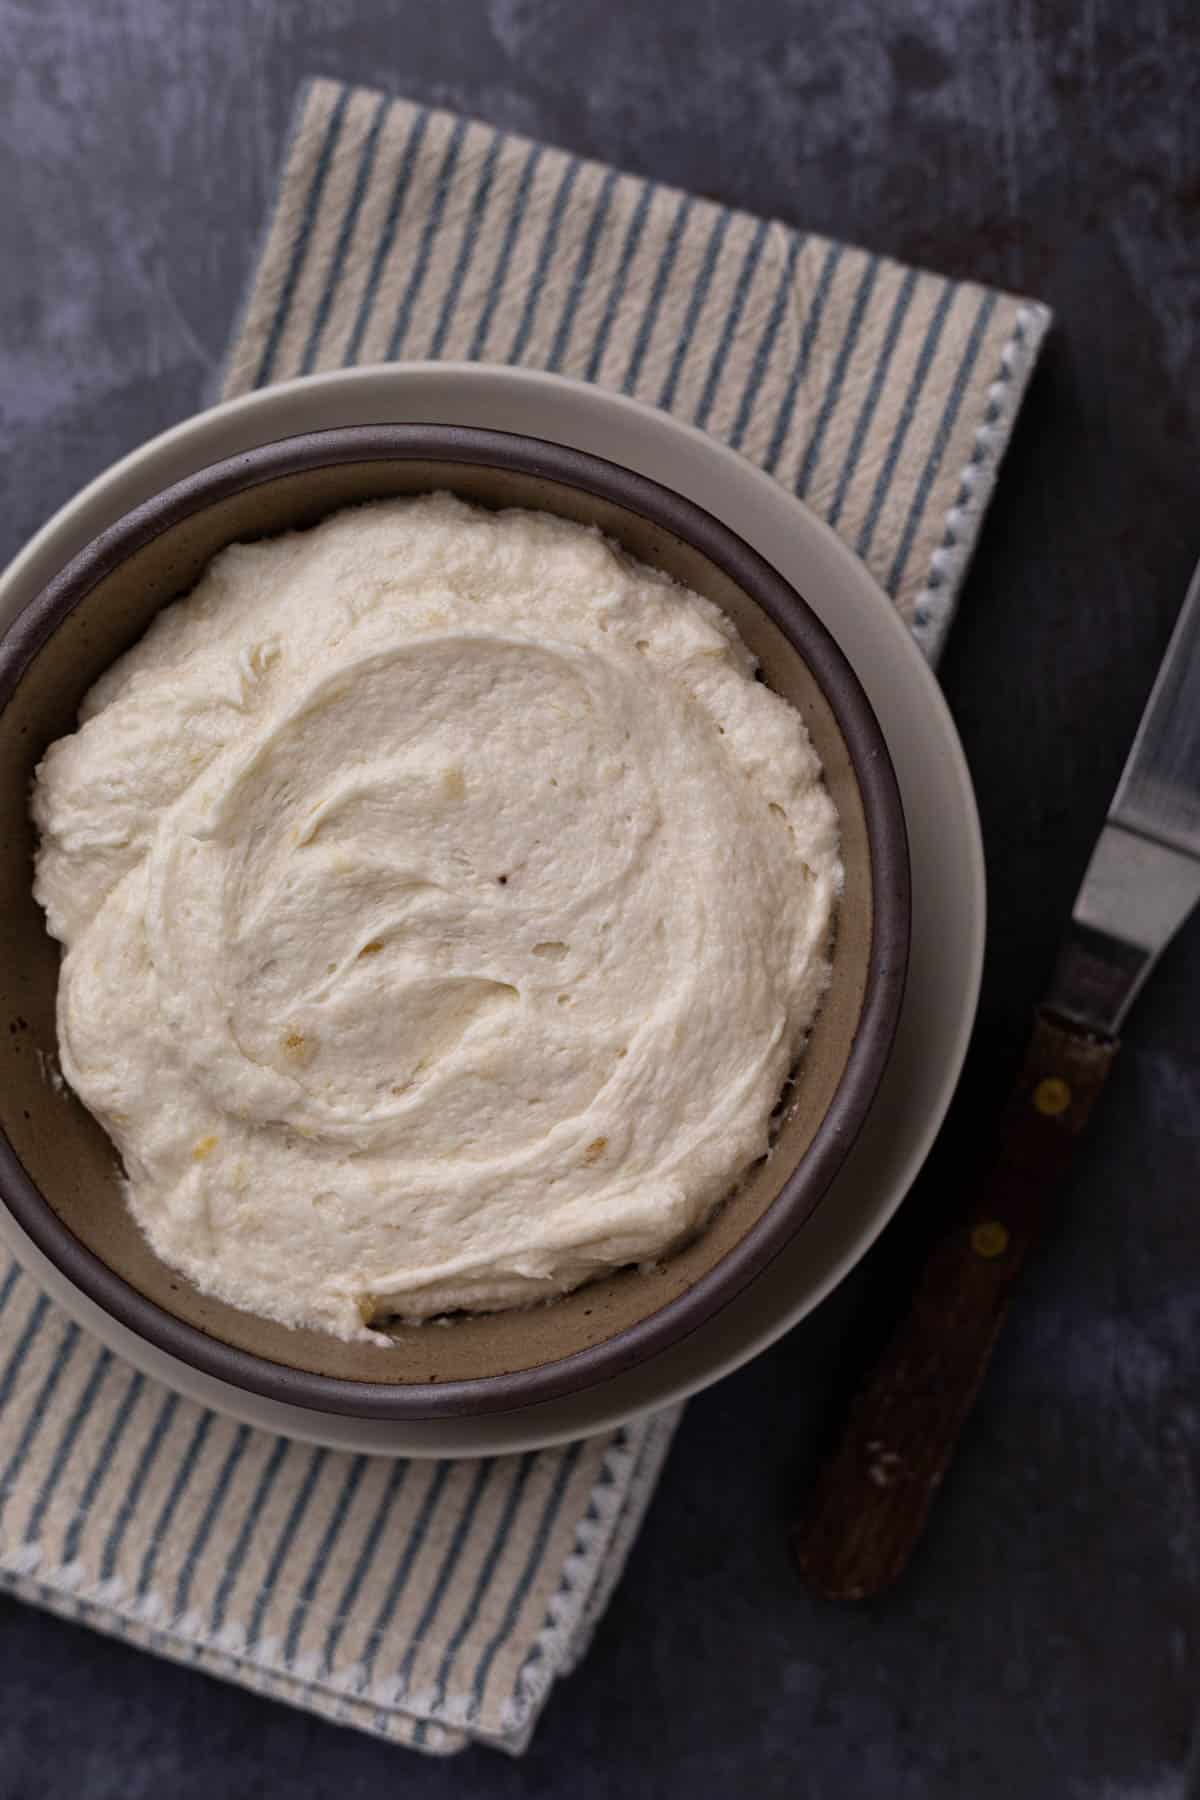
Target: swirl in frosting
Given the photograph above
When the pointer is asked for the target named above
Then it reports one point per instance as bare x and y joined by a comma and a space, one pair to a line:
444, 903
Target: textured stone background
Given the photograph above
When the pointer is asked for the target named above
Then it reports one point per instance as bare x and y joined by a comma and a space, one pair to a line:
1044, 1645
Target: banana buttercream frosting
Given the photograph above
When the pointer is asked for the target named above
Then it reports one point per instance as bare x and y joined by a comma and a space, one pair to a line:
444, 904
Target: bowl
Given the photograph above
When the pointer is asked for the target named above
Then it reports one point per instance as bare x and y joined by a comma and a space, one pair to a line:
59, 1175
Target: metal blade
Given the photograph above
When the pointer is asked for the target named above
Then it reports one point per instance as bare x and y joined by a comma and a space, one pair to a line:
1144, 876
1158, 795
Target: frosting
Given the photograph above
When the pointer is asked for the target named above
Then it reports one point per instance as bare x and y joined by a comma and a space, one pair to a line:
444, 904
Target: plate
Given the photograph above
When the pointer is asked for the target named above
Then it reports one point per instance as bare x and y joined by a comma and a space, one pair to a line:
947, 858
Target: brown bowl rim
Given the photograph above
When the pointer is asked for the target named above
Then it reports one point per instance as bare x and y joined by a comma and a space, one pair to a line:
887, 963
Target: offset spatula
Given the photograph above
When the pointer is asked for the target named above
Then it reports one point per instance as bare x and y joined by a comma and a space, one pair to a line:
872, 1497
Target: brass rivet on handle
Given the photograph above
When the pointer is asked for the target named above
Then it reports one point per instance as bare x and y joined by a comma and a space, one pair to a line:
989, 1239
1052, 1096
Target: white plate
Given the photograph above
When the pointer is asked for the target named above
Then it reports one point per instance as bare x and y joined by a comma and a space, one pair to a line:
947, 857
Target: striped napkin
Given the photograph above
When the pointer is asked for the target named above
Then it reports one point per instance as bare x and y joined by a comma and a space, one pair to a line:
436, 1602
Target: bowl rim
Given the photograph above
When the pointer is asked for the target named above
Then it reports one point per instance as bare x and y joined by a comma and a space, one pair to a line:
887, 961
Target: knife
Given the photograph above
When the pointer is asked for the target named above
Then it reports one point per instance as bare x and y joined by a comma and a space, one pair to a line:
872, 1497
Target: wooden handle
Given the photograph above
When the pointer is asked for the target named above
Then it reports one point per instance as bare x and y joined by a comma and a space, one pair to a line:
871, 1498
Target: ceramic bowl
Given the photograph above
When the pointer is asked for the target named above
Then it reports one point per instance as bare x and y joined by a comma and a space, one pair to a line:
58, 1172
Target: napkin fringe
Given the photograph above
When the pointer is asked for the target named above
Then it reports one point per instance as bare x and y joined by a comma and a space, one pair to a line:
218, 378
933, 608
623, 1489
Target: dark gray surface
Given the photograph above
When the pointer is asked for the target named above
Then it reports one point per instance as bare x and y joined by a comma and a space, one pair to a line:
1043, 1646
